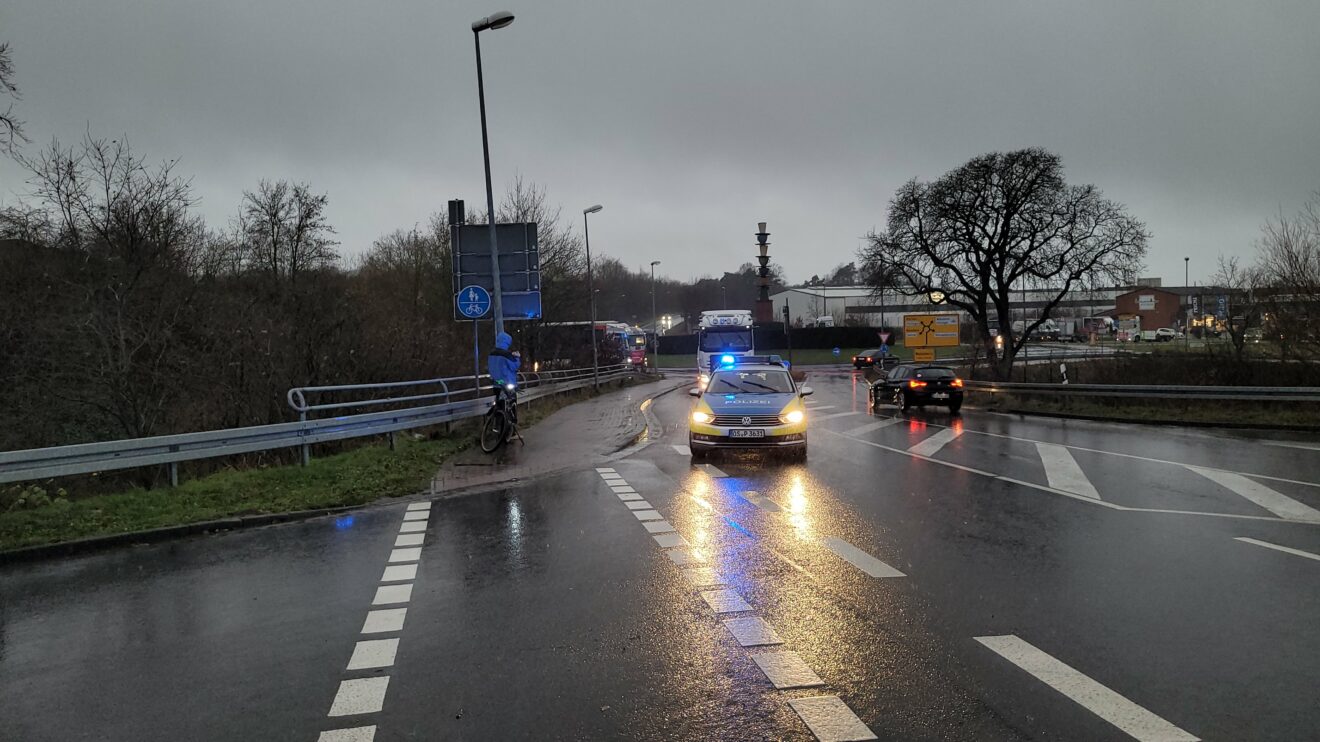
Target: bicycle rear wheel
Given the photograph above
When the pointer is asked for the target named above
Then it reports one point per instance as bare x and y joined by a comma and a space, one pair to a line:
494, 430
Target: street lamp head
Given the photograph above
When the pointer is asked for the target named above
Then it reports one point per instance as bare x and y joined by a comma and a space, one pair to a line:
499, 19
655, 263
592, 209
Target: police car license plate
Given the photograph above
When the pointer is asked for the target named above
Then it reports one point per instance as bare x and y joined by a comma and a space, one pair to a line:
746, 433
939, 395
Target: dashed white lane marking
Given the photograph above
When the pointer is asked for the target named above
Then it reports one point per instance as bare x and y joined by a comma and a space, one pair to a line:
399, 573
762, 502
669, 540
360, 696
1062, 471
724, 601
388, 594
864, 429
622, 488
703, 576
860, 559
752, 631
681, 449
605, 469
1275, 502
683, 557
830, 719
1276, 547
627, 496
647, 515
833, 415
413, 526
933, 444
638, 505
372, 653
409, 539
410, 554
384, 621
713, 471
1094, 697
787, 670
416, 515
355, 734
1294, 444
419, 506
658, 526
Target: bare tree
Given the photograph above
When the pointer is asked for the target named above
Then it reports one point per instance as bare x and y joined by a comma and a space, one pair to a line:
998, 223
1241, 283
285, 230
1289, 268
11, 129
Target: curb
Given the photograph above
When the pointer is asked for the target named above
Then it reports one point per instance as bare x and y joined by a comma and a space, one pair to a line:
233, 523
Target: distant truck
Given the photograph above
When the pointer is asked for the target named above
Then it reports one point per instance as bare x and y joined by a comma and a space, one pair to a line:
723, 332
1046, 330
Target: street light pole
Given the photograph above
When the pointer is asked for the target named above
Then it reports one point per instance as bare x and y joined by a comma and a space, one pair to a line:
1187, 330
655, 321
591, 297
491, 22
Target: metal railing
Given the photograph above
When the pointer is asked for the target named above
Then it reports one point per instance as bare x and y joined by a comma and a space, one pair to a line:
452, 399
1243, 393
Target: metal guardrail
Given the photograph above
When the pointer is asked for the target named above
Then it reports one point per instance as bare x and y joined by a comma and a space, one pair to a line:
1242, 393
457, 398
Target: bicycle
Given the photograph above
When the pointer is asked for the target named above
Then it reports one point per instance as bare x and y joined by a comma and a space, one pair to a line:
501, 423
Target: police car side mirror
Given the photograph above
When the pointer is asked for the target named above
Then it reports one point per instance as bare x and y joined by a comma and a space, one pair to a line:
694, 392
806, 391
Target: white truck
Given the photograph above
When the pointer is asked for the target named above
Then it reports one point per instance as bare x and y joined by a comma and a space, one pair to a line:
723, 332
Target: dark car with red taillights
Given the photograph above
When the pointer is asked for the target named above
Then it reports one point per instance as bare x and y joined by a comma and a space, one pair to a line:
918, 385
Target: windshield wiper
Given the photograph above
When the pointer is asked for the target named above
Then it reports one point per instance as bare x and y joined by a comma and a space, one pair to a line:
763, 386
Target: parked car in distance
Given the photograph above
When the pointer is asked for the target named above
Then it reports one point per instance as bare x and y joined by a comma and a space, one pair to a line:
910, 384
1165, 334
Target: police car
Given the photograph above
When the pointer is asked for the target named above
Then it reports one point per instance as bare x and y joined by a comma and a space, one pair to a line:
749, 402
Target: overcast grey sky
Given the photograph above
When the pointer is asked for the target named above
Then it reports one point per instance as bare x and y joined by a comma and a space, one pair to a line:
691, 121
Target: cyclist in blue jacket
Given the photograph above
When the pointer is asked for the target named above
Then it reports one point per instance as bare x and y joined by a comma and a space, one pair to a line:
503, 364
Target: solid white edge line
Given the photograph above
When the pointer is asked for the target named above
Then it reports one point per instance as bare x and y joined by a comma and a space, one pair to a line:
1099, 699
1277, 547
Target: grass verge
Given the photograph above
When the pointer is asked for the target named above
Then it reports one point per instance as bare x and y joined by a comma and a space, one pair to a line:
355, 477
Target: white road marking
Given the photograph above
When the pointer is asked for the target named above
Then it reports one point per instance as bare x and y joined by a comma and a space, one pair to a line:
1294, 444
1276, 547
830, 719
1275, 502
867, 428
409, 539
670, 540
360, 696
683, 557
933, 444
406, 555
833, 415
816, 407
421, 515
373, 653
399, 573
1094, 697
626, 496
681, 449
412, 526
703, 576
387, 594
638, 505
419, 506
762, 502
1062, 471
384, 621
724, 601
647, 515
860, 559
713, 471
787, 670
355, 734
752, 631
622, 488
605, 469
658, 526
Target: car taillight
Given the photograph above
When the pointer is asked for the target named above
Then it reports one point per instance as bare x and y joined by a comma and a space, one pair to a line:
957, 383
914, 384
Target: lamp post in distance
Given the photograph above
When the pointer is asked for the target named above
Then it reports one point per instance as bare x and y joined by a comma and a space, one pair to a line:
1187, 329
591, 296
491, 22
655, 321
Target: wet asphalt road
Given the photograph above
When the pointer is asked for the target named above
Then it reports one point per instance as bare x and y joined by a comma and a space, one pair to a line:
548, 611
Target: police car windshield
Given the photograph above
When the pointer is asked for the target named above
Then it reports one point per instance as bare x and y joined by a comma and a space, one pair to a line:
750, 382
716, 339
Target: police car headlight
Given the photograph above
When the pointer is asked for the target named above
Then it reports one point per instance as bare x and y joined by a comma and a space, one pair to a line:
794, 417
701, 417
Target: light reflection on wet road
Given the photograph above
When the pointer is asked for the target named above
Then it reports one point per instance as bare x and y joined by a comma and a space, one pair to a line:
549, 611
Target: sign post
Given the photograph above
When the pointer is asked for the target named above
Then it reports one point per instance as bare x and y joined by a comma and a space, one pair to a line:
473, 302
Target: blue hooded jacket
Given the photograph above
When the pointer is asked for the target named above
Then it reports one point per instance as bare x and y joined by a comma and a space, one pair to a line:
502, 364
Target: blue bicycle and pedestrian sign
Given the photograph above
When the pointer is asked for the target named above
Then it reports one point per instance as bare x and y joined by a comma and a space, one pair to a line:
473, 302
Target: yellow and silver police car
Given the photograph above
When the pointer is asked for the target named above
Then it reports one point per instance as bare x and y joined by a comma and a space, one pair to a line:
749, 402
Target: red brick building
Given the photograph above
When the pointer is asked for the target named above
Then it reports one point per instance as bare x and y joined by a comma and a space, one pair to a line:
1155, 306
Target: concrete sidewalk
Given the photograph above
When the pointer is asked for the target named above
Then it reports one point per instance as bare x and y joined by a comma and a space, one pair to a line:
574, 436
